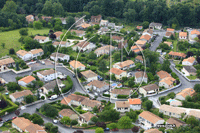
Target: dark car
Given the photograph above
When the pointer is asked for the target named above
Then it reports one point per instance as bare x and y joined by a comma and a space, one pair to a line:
78, 131
74, 76
107, 129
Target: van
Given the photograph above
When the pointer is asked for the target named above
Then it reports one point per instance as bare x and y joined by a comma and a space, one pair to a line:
53, 97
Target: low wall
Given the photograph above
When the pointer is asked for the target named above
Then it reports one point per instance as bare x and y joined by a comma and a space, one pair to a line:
22, 71
36, 102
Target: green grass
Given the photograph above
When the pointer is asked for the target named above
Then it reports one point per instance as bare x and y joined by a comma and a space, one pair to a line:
10, 38
192, 77
176, 62
3, 128
175, 45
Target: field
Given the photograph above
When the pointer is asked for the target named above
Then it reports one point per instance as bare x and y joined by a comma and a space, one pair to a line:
10, 38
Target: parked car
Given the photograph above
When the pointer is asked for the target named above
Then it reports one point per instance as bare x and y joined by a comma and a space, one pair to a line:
107, 129
100, 78
55, 121
116, 129
74, 76
53, 97
14, 117
42, 62
78, 131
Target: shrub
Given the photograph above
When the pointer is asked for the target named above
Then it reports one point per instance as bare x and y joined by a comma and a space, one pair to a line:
84, 125
106, 95
122, 96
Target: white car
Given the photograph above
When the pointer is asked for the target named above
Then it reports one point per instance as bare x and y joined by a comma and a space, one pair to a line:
55, 121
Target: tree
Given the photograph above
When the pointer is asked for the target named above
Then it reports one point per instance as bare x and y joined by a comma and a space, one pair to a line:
125, 122
52, 36
57, 9
145, 24
74, 122
112, 126
12, 86
102, 65
148, 105
48, 126
36, 119
117, 56
3, 45
70, 21
130, 15
29, 98
135, 129
132, 115
197, 88
95, 10
47, 9
99, 130
94, 119
95, 109
37, 25
10, 7
26, 115
11, 51
49, 110
109, 115
192, 121
166, 66
54, 129
23, 32
66, 120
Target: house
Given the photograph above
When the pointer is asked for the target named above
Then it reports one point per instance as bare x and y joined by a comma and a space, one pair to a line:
41, 39
193, 34
149, 89
163, 74
104, 23
58, 34
141, 43
79, 33
76, 65
85, 118
136, 49
182, 35
186, 92
153, 130
148, 31
195, 113
60, 57
104, 50
103, 30
167, 82
118, 28
25, 125
170, 30
47, 75
141, 77
83, 26
115, 92
122, 45
172, 111
73, 99
68, 112
149, 119
135, 103
30, 18
19, 96
118, 73
111, 25
176, 54
36, 52
89, 75
79, 21
139, 59
175, 121
2, 82
26, 81
189, 70
5, 63
24, 55
88, 104
139, 27
146, 38
175, 103
169, 44
122, 106
46, 18
83, 46
190, 61
50, 86
99, 86
61, 44
96, 19
63, 20
155, 25
118, 38
169, 34
124, 65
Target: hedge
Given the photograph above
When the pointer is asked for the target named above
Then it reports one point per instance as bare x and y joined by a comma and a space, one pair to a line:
122, 96
106, 95
41, 70
68, 86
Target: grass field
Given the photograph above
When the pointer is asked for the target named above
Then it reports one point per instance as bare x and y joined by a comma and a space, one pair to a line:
10, 38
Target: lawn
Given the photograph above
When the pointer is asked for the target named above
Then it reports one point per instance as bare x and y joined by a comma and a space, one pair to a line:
175, 45
192, 77
10, 38
176, 62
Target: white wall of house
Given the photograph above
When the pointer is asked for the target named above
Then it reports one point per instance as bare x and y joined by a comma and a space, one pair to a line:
91, 79
66, 57
187, 63
43, 41
80, 68
123, 74
165, 85
26, 57
122, 110
185, 72
16, 127
148, 124
171, 114
20, 99
48, 77
138, 80
135, 106
180, 97
182, 37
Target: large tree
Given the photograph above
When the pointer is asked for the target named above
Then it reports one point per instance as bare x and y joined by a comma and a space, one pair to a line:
125, 122
10, 7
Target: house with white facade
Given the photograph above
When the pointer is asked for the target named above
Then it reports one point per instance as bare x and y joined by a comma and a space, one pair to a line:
47, 75
193, 34
41, 39
135, 103
145, 38
98, 86
139, 58
26, 81
184, 93
124, 65
50, 86
155, 25
73, 99
89, 75
36, 52
140, 77
122, 106
182, 35
60, 57
83, 46
118, 38
5, 63
104, 23
19, 96
148, 89
68, 112
167, 82
85, 118
189, 70
118, 73
111, 25
104, 50
61, 44
24, 55
88, 104
58, 34
118, 28
79, 33
76, 65
149, 119
115, 92
190, 61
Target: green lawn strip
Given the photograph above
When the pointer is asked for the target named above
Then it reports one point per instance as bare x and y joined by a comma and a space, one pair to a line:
192, 77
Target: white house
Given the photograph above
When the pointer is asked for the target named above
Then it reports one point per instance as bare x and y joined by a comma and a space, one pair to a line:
104, 23
68, 112
118, 73
118, 28
118, 38
85, 118
36, 52
124, 65
148, 89
189, 70
47, 75
115, 92
104, 50
184, 93
50, 86
5, 63
83, 46
155, 25
73, 99
122, 106
89, 75
19, 96
99, 86
190, 61
79, 33
42, 39
61, 44
58, 34
88, 104
60, 56
30, 18
26, 81
135, 104
193, 34
149, 119
141, 77
111, 25
182, 35
167, 82
24, 55
76, 65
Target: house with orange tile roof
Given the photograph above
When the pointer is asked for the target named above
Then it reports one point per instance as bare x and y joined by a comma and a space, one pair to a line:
177, 54
26, 81
41, 39
30, 18
148, 31
136, 49
195, 113
163, 74
89, 75
73, 99
182, 35
193, 34
167, 82
170, 30
79, 33
24, 55
145, 38
76, 65
104, 23
139, 27
153, 130
118, 38
85, 118
169, 44
141, 77
190, 61
124, 65
135, 103
5, 63
36, 52
83, 26
115, 92
149, 119
19, 96
186, 92
139, 58
68, 112
141, 43
122, 106
169, 34
118, 73
58, 34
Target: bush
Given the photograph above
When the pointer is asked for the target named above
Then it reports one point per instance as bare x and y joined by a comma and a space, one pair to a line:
122, 96
74, 122
2, 88
106, 95
84, 125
